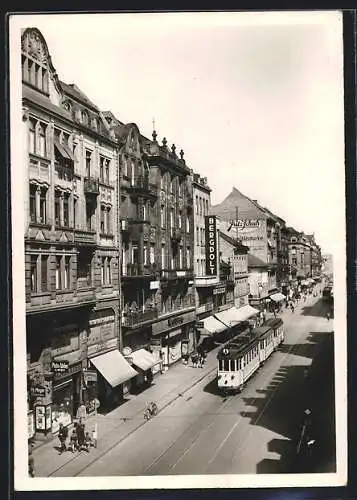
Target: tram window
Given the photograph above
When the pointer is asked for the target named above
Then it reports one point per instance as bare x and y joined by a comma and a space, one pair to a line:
226, 365
233, 365
220, 365
239, 363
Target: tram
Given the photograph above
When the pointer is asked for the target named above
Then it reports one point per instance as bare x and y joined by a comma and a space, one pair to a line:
240, 358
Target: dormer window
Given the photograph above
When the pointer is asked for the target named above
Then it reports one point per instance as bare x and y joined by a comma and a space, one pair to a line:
84, 117
67, 106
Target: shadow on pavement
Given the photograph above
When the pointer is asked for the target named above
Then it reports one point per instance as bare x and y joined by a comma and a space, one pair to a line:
294, 390
318, 309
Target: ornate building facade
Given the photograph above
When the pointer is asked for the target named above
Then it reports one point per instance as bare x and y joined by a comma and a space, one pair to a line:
71, 238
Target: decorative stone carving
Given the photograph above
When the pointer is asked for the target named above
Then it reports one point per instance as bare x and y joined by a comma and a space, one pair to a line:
32, 45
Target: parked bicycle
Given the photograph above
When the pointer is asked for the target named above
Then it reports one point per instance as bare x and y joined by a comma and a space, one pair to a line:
151, 410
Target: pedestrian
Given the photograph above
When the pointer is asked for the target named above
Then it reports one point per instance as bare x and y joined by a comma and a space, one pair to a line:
31, 461
328, 316
87, 442
194, 359
95, 435
185, 359
292, 307
73, 442
80, 433
62, 436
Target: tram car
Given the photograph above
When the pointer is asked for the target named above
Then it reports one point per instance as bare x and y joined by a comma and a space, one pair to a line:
277, 325
240, 358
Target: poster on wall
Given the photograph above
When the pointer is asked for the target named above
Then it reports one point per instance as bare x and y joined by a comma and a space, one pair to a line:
40, 418
174, 352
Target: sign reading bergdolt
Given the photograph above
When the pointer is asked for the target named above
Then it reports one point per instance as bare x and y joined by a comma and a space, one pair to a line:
211, 245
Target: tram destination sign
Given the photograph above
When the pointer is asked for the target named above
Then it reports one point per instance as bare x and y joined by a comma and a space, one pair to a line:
211, 245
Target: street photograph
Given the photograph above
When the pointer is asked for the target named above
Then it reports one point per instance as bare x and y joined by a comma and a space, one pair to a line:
179, 250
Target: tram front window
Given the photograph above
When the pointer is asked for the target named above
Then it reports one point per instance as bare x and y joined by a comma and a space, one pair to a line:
226, 365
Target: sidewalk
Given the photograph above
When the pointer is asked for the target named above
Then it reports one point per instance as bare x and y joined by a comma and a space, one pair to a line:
122, 421
118, 424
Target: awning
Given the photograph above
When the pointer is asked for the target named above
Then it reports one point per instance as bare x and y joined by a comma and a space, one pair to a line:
277, 297
63, 150
212, 325
228, 317
114, 367
143, 359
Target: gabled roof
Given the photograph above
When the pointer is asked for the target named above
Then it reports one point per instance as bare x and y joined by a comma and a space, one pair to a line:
236, 244
246, 207
75, 92
254, 261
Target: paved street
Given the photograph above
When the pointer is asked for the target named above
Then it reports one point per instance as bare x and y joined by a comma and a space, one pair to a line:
200, 432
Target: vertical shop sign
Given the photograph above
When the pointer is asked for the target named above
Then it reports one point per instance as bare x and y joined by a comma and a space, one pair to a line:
211, 245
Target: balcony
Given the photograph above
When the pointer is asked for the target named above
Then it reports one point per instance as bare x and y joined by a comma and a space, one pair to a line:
176, 236
137, 271
91, 186
174, 274
132, 319
141, 186
82, 237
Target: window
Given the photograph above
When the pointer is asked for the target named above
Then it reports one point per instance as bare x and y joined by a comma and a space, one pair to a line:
172, 262
188, 258
187, 224
198, 236
32, 136
88, 162
171, 221
33, 190
125, 166
145, 255
106, 273
107, 163
44, 273
180, 188
89, 212
57, 208
293, 251
75, 208
33, 272
162, 216
42, 141
134, 254
171, 186
152, 253
162, 182
102, 219
43, 203
84, 117
163, 256
144, 211
67, 272
196, 204
101, 168
132, 173
66, 210
181, 258
84, 265
180, 220
58, 273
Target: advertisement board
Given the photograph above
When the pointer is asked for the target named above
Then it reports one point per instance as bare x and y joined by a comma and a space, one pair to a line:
211, 245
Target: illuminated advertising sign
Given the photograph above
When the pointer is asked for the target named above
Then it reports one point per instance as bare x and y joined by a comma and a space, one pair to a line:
211, 245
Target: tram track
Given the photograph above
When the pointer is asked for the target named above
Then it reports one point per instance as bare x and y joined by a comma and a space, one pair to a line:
294, 350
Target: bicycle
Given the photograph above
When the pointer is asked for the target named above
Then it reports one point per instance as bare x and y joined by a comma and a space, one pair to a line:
151, 410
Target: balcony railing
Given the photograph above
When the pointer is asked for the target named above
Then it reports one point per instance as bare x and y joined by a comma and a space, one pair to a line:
133, 318
91, 186
141, 185
84, 237
135, 270
176, 235
169, 274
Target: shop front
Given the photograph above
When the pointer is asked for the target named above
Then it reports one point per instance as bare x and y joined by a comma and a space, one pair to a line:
143, 361
66, 390
176, 336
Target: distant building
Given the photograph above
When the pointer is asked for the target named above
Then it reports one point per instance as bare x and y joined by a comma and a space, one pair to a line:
255, 227
327, 264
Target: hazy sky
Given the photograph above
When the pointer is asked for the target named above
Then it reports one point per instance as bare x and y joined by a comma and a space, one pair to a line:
255, 100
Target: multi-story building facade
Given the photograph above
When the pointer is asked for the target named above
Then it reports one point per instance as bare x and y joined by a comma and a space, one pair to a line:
236, 256
71, 240
299, 255
254, 226
207, 289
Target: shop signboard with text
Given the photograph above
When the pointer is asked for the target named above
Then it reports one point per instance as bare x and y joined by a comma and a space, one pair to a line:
211, 245
251, 232
175, 321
